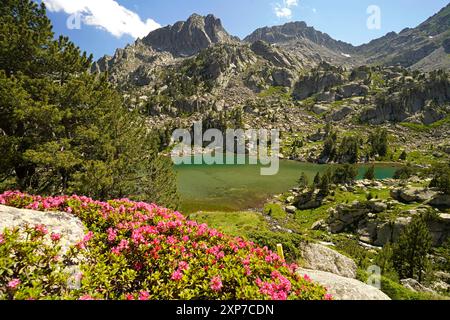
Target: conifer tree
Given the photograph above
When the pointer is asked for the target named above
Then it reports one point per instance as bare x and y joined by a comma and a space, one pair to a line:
370, 173
410, 253
64, 130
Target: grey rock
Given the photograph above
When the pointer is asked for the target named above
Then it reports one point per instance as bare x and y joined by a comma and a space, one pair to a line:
342, 113
291, 209
353, 89
441, 200
342, 288
411, 194
318, 257
415, 286
319, 109
70, 227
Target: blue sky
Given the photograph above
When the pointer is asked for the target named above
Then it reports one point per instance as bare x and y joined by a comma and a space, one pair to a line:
110, 24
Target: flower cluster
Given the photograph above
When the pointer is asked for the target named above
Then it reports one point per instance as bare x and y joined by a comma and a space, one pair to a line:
137, 250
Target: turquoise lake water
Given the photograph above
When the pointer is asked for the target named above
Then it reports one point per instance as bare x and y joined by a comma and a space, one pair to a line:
225, 187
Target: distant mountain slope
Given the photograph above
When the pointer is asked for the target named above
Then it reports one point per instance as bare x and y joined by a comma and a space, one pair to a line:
426, 47
298, 31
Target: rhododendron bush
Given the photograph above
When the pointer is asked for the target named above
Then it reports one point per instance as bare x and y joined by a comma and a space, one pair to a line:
136, 250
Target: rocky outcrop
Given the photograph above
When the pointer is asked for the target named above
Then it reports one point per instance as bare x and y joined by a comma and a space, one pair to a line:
186, 38
272, 54
341, 113
409, 195
415, 286
318, 257
66, 224
316, 82
342, 288
353, 89
363, 219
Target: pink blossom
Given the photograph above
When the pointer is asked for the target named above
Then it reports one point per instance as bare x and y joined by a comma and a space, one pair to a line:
144, 295
41, 229
88, 237
55, 237
307, 278
177, 275
216, 283
328, 296
112, 234
183, 265
13, 283
86, 297
2, 238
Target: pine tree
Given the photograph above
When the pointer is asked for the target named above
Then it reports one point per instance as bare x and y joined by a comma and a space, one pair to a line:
410, 252
403, 155
345, 173
378, 141
65, 130
324, 186
317, 179
370, 173
303, 182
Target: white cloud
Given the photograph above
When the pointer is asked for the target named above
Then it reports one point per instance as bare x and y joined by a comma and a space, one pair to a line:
106, 14
284, 10
291, 3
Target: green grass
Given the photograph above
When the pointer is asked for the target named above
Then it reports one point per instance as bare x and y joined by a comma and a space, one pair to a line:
275, 211
275, 92
424, 128
233, 223
397, 292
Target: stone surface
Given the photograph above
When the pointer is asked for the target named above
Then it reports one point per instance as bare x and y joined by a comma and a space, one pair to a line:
318, 257
186, 38
70, 227
342, 288
409, 195
415, 286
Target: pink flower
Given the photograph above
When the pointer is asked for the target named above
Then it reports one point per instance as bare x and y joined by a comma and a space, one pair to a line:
129, 297
2, 238
55, 237
86, 297
177, 275
13, 283
216, 283
112, 234
144, 295
307, 278
88, 237
328, 296
183, 265
41, 229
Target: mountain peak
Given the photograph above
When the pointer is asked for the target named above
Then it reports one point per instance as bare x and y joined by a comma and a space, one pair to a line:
186, 38
297, 31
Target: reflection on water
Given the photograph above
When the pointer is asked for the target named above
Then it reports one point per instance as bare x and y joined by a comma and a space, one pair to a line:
238, 187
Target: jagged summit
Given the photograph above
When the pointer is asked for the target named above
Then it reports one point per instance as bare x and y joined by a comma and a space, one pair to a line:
297, 31
186, 38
